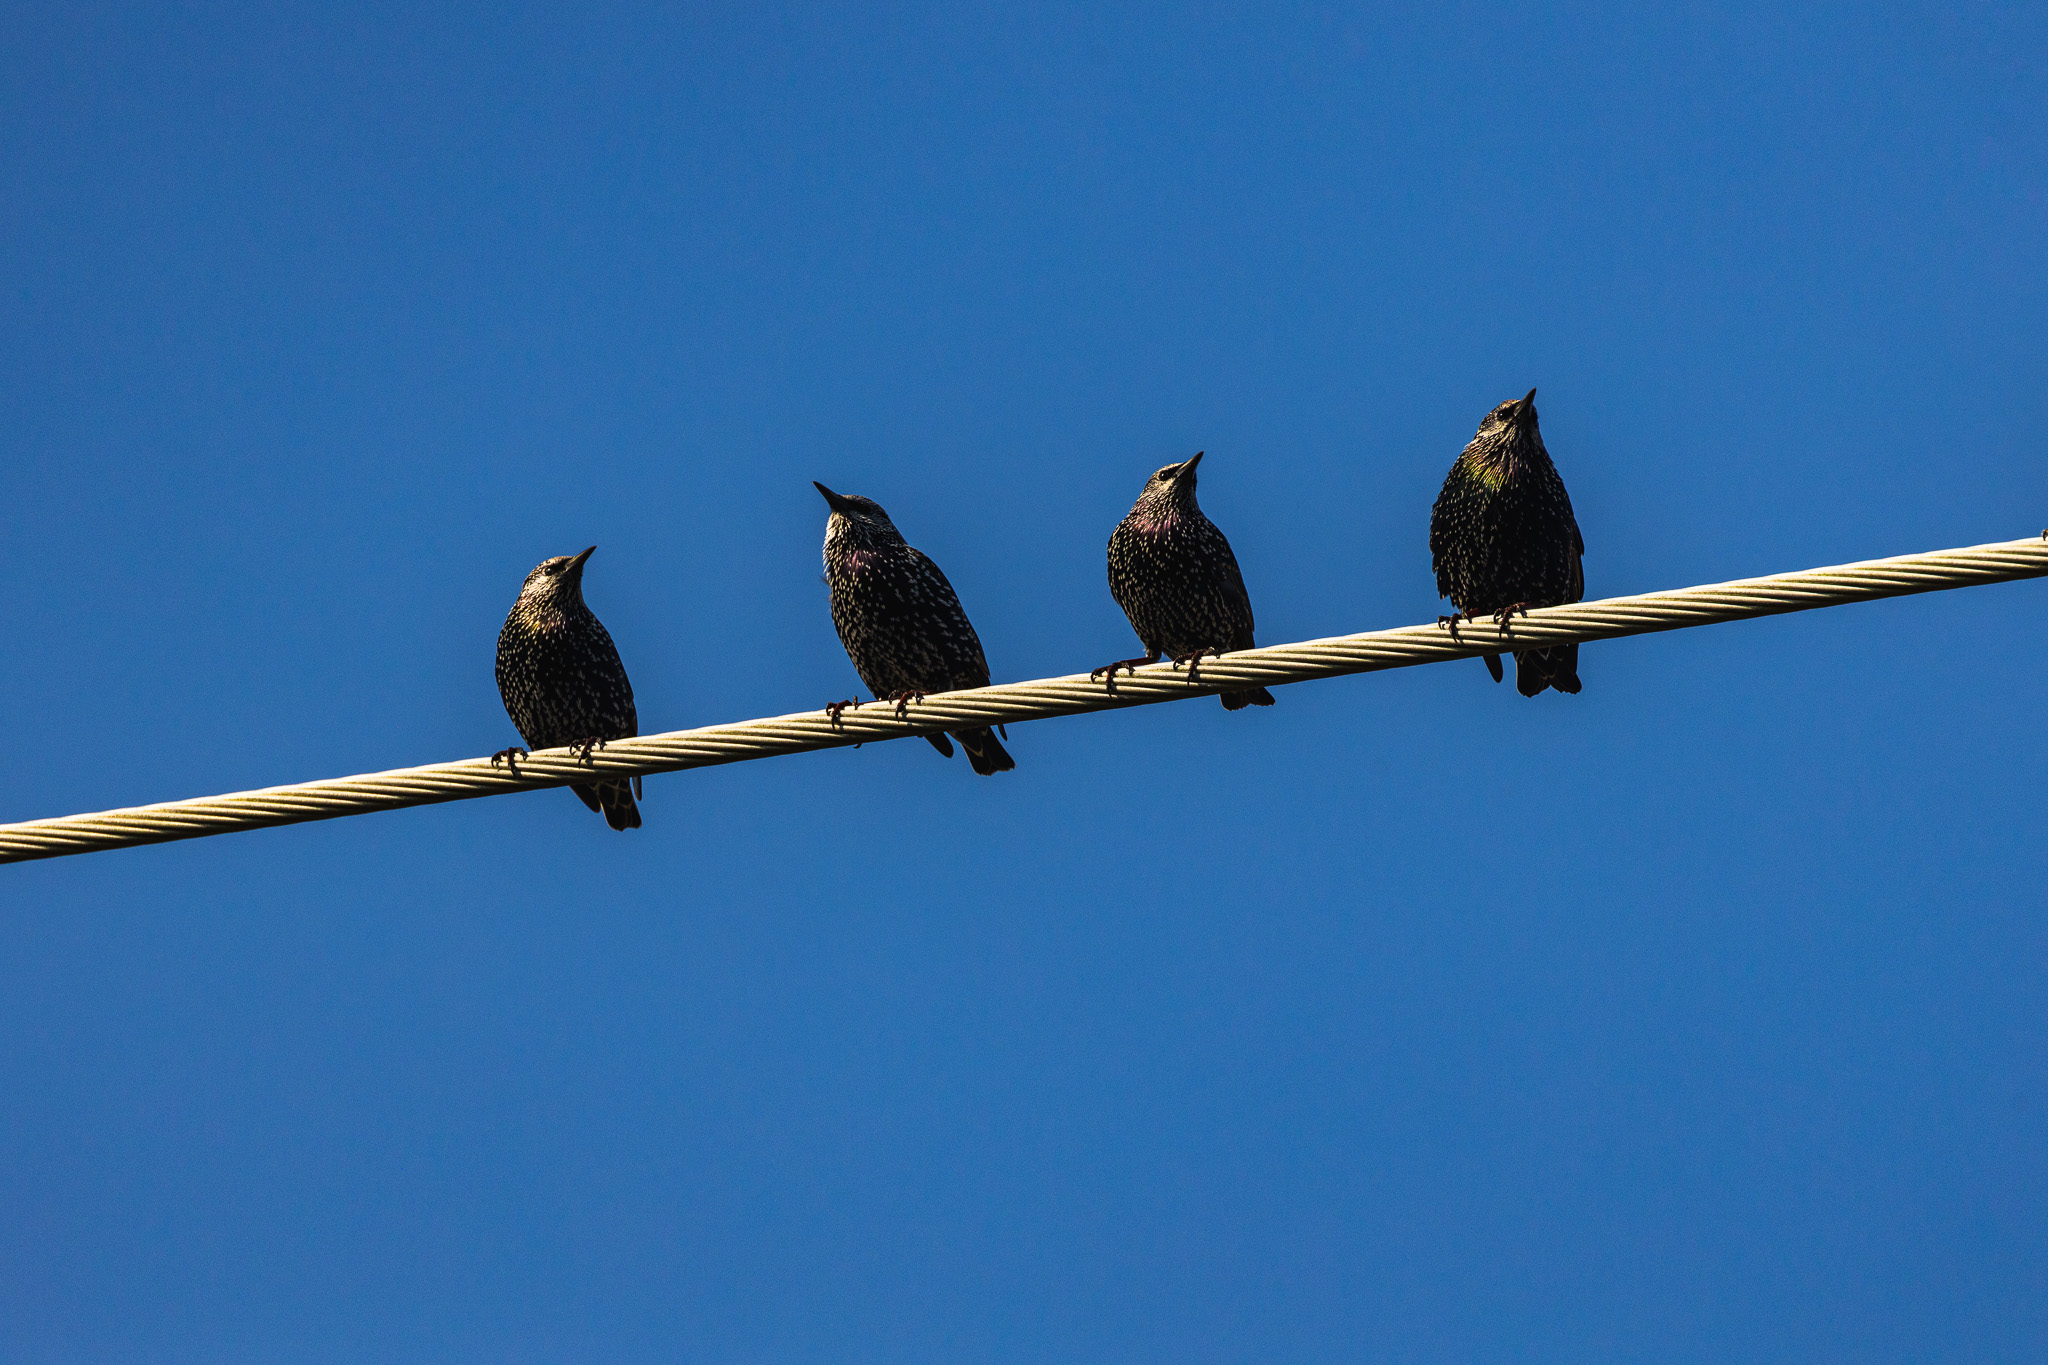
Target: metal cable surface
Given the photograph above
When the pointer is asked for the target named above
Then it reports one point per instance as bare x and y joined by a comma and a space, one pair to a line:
1010, 703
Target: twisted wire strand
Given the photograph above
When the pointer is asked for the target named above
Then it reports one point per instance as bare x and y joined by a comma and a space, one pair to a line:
1009, 703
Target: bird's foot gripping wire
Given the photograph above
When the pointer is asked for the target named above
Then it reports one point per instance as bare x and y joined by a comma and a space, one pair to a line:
903, 700
510, 757
1127, 665
834, 709
584, 747
1450, 622
1194, 662
1501, 617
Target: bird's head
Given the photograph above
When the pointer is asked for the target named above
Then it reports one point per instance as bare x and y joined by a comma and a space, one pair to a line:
1516, 416
861, 519
1171, 489
557, 581
1509, 440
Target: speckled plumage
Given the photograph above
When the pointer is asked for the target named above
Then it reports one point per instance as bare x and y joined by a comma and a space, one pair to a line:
901, 621
1503, 535
562, 681
1172, 572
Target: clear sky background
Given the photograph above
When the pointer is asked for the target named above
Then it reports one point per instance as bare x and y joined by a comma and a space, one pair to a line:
1698, 1017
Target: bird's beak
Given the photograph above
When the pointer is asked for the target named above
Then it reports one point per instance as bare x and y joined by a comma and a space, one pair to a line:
1188, 466
1526, 406
833, 500
575, 566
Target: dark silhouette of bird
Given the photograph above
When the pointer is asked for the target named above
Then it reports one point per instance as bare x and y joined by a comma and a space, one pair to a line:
562, 681
1503, 539
901, 621
1172, 572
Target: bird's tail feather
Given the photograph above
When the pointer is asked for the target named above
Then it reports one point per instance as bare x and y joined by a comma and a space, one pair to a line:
1493, 667
615, 799
1566, 676
1536, 669
941, 743
1237, 701
984, 751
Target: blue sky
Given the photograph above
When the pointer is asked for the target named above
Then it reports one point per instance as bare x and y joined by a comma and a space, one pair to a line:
1698, 1016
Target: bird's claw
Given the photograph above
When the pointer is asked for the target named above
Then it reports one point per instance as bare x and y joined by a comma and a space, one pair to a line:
1194, 661
1505, 614
1450, 622
584, 747
833, 710
903, 700
1108, 671
510, 757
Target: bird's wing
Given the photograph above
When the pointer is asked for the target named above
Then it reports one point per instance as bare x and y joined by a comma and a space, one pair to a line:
1578, 546
1439, 543
1578, 541
1233, 582
628, 719
1119, 582
969, 665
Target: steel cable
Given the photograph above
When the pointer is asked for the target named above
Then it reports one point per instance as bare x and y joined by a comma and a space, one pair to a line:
1009, 703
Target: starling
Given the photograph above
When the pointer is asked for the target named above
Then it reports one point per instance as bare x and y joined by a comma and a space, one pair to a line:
1172, 572
901, 621
1503, 539
562, 681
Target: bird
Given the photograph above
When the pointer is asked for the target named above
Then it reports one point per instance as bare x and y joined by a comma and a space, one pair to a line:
901, 621
562, 682
1503, 539
1172, 572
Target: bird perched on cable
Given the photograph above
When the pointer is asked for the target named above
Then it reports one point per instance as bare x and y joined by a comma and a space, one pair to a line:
1172, 572
901, 621
1503, 539
562, 681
